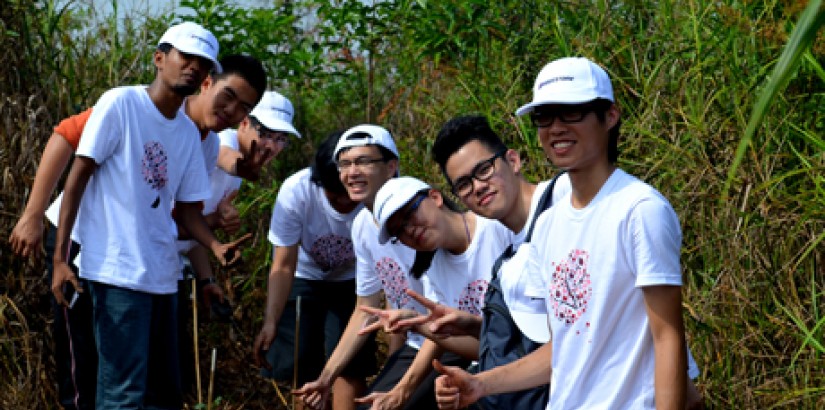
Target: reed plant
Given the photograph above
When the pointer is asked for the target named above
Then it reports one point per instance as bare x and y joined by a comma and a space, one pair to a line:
750, 193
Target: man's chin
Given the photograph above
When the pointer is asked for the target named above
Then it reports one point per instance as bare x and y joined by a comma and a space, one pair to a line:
185, 90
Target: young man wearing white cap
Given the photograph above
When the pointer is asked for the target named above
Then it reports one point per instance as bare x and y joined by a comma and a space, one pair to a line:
144, 156
261, 135
312, 260
367, 158
225, 98
605, 259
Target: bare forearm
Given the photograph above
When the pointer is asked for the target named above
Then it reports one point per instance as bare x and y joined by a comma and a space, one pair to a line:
188, 217
464, 346
530, 371
278, 287
227, 159
670, 374
664, 312
79, 175
199, 259
420, 367
55, 157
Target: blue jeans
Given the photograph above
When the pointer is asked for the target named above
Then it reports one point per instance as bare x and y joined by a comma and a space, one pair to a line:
136, 336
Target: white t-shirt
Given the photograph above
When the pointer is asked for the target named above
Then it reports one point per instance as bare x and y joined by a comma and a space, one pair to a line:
460, 281
385, 267
220, 182
302, 214
210, 145
145, 163
593, 263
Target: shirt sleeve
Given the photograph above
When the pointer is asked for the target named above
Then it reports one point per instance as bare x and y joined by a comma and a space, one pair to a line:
194, 186
72, 127
656, 242
367, 281
102, 133
288, 213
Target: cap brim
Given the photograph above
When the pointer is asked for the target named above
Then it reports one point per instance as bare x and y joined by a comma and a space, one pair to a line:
528, 108
277, 124
533, 325
217, 68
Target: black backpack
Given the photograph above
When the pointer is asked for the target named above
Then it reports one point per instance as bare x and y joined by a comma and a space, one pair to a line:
501, 341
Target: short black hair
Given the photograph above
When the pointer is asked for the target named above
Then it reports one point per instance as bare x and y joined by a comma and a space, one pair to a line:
458, 132
247, 67
165, 48
324, 171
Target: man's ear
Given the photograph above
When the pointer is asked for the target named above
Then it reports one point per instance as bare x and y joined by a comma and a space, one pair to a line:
392, 167
207, 83
514, 159
157, 58
612, 116
245, 123
436, 196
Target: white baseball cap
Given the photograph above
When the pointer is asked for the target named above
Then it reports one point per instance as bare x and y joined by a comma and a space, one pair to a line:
365, 134
275, 112
569, 80
392, 196
192, 38
529, 313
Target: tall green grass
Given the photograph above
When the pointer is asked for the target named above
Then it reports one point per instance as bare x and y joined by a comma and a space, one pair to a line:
689, 79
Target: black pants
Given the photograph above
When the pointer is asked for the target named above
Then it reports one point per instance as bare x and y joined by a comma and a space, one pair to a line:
396, 366
75, 352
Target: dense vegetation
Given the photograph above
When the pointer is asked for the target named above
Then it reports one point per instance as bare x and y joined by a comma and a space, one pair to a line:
687, 75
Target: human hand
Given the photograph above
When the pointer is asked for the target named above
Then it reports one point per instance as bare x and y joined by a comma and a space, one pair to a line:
391, 400
265, 337
387, 319
228, 254
444, 321
249, 167
63, 276
27, 235
211, 291
455, 388
314, 394
229, 219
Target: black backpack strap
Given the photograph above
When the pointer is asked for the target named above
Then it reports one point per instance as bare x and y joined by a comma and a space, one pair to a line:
506, 255
545, 202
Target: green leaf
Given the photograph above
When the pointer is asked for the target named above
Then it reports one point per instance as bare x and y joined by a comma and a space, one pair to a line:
801, 39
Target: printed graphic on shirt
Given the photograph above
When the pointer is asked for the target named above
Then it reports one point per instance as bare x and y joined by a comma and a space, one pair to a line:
394, 282
472, 297
155, 167
570, 287
331, 251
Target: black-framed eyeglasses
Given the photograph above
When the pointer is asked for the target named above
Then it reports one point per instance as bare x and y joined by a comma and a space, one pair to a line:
483, 171
396, 231
279, 137
545, 116
360, 163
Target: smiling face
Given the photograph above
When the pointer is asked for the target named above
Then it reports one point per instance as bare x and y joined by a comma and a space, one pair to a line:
578, 146
418, 224
495, 197
226, 102
363, 171
182, 73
